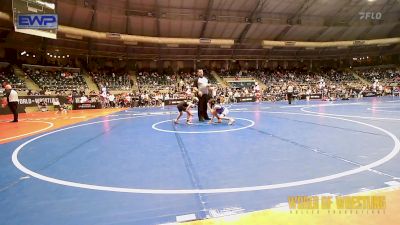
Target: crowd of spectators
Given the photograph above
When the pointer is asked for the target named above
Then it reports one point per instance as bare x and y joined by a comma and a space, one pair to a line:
53, 80
113, 80
7, 75
146, 78
155, 88
385, 76
330, 84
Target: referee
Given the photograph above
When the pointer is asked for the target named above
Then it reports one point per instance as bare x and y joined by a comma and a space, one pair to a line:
201, 84
290, 93
12, 101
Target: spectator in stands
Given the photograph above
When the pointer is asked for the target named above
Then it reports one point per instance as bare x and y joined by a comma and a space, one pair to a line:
47, 92
83, 99
42, 106
111, 98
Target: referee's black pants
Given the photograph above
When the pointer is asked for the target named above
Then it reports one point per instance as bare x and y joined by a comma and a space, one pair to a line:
14, 109
289, 97
202, 109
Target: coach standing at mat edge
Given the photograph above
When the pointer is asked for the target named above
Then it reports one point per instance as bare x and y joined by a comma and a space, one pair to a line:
12, 101
201, 85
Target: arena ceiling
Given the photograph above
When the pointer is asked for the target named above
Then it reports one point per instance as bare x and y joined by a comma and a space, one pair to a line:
248, 22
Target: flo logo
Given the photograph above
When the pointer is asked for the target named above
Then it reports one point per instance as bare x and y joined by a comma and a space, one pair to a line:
370, 15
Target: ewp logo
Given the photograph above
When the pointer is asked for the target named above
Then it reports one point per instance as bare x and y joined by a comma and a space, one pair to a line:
37, 21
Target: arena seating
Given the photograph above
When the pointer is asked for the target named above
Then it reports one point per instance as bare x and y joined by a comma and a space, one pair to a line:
154, 86
155, 79
113, 80
55, 78
337, 83
385, 76
7, 75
